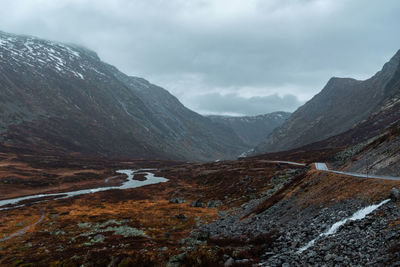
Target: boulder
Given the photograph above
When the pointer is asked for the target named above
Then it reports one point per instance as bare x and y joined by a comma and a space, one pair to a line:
98, 238
181, 216
213, 203
177, 260
197, 204
395, 194
229, 262
177, 200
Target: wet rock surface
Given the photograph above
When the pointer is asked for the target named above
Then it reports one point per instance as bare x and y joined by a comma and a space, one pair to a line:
372, 241
395, 194
177, 200
197, 204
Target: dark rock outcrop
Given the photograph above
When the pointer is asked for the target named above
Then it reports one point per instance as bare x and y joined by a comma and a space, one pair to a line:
177, 200
197, 204
395, 194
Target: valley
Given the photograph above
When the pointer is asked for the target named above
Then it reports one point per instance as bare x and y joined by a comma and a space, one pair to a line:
99, 168
205, 214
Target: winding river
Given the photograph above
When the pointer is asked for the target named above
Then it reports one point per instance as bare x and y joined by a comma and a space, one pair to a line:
130, 183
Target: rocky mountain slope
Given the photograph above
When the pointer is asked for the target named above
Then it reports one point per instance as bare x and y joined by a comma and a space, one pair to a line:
377, 155
253, 129
373, 144
58, 98
340, 106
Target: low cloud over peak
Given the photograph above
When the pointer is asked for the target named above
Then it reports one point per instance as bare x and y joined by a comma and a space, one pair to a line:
223, 47
234, 104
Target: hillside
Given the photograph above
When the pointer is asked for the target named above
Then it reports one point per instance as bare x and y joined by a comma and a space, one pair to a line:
340, 106
253, 129
379, 156
57, 98
244, 212
373, 144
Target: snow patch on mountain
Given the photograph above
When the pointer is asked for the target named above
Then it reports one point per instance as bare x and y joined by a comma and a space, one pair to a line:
23, 50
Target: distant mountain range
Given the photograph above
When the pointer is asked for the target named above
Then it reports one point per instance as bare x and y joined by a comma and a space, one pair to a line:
345, 112
62, 99
253, 129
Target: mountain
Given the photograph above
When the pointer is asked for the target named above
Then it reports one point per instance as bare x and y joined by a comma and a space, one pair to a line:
373, 144
59, 98
377, 155
340, 106
253, 129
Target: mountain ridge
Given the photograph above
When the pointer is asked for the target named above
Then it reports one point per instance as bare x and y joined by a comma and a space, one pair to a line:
69, 101
252, 129
341, 105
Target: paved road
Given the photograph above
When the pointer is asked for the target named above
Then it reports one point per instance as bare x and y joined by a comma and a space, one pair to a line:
286, 162
323, 167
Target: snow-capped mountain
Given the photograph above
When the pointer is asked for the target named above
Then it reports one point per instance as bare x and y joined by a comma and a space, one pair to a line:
62, 98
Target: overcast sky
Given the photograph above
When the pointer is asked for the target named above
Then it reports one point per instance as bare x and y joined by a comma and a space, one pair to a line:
223, 56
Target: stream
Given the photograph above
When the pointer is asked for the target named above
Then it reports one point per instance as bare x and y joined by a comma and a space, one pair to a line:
358, 215
130, 183
23, 231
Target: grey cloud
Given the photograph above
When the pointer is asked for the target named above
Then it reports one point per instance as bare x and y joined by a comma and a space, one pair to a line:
222, 45
233, 104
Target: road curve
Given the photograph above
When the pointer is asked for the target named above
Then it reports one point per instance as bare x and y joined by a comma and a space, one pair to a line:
286, 162
323, 167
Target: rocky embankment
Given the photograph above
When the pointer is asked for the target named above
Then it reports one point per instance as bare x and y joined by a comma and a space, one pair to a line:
371, 241
381, 156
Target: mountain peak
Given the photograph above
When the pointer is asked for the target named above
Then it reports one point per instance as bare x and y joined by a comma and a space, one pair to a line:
395, 60
23, 51
340, 81
61, 98
397, 55
390, 67
342, 104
